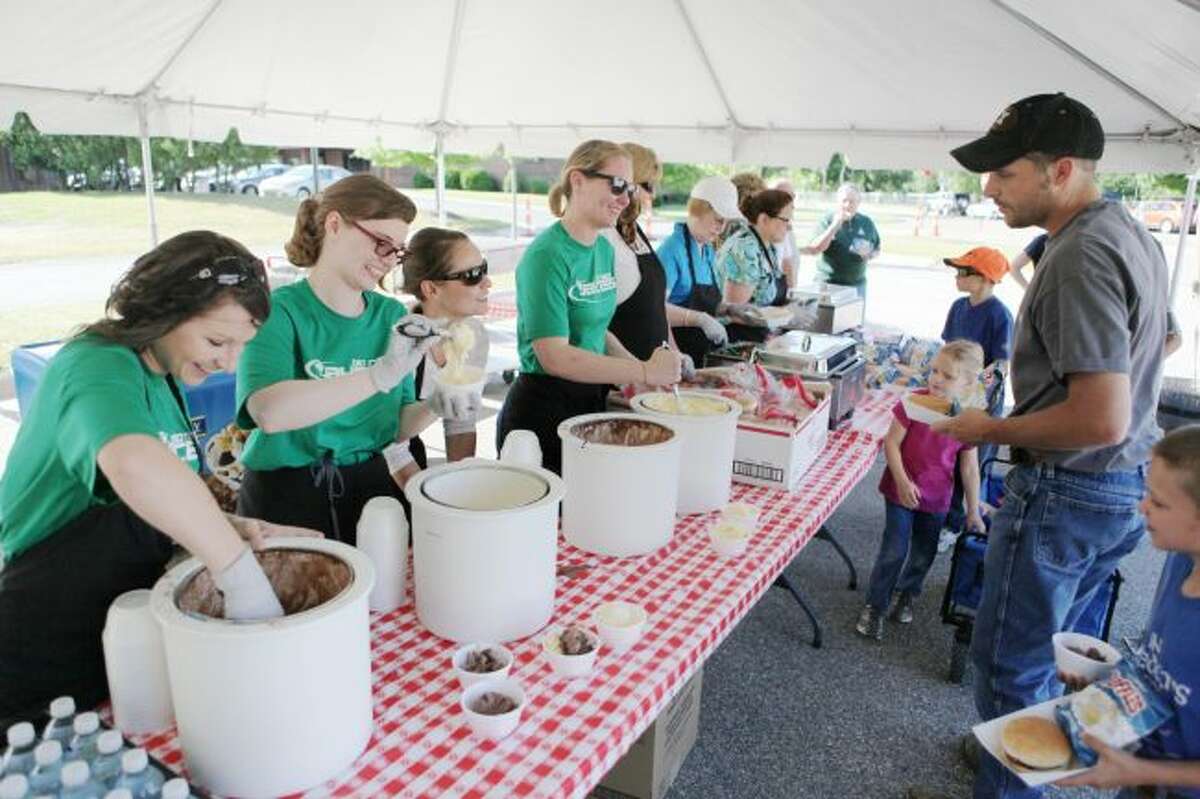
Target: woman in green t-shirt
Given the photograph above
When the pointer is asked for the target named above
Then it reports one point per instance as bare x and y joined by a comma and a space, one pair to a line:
566, 296
102, 480
326, 385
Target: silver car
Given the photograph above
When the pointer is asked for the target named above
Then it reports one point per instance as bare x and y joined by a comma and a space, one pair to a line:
298, 181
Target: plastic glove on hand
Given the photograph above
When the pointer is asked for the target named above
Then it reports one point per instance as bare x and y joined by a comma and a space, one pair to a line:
712, 329
687, 367
248, 594
455, 406
406, 348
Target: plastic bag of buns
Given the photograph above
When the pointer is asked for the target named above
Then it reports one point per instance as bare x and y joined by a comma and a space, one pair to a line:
1119, 710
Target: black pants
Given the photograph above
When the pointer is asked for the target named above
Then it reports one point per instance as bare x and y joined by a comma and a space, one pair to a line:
692, 341
322, 497
540, 403
54, 599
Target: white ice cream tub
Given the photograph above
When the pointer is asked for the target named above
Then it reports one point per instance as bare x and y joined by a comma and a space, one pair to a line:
621, 498
706, 462
485, 546
271, 707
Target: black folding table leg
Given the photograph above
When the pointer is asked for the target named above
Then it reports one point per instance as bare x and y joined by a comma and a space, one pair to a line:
826, 535
786, 582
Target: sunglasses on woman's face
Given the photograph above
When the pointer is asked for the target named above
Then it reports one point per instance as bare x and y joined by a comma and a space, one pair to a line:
469, 277
617, 185
384, 248
232, 270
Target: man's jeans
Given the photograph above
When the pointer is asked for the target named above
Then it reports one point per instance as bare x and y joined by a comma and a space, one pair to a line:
1056, 539
906, 552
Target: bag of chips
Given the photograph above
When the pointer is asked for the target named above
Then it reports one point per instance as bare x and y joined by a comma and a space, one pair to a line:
1119, 710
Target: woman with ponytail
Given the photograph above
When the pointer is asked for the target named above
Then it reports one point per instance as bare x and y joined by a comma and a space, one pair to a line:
102, 482
326, 387
566, 296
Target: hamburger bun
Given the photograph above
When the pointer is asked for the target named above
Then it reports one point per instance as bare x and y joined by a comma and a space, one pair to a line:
1032, 743
935, 404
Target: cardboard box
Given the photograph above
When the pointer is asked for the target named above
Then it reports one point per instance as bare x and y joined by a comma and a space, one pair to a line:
652, 763
778, 455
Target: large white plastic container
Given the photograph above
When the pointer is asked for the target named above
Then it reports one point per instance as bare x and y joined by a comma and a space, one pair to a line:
621, 500
136, 666
485, 546
272, 707
706, 462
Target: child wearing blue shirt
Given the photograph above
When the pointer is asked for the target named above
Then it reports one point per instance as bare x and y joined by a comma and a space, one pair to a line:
1169, 653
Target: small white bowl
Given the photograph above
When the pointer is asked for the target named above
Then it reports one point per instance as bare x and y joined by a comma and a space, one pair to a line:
741, 513
1079, 666
570, 667
496, 726
620, 625
474, 386
468, 678
728, 539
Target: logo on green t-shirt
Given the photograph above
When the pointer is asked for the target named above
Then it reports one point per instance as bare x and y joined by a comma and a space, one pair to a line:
321, 370
591, 292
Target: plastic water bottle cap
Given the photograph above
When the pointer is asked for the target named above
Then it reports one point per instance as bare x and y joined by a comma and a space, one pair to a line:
75, 773
62, 707
109, 742
14, 786
47, 753
175, 789
134, 761
21, 735
87, 723
119, 793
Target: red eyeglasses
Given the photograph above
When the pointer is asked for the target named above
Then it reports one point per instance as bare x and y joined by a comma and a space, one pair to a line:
384, 248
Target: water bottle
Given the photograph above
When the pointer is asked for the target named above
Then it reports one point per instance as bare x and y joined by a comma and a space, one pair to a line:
14, 786
142, 781
118, 793
47, 766
62, 720
175, 789
77, 782
87, 732
107, 765
18, 758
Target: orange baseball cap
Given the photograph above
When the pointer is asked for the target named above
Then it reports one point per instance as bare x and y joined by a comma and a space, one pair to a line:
987, 261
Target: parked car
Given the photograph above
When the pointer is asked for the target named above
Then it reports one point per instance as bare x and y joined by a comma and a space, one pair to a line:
1165, 216
246, 181
298, 181
984, 209
948, 203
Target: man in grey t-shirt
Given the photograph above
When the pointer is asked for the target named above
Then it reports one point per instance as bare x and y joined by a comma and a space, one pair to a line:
1086, 370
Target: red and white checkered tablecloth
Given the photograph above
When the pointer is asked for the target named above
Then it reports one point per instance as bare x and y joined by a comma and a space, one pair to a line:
873, 416
502, 305
572, 733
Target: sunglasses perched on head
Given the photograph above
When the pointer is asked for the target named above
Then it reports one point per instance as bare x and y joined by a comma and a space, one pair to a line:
617, 185
384, 248
468, 277
232, 270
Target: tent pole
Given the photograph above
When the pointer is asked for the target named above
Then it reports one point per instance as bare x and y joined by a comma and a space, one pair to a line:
147, 171
312, 156
439, 151
1189, 209
512, 171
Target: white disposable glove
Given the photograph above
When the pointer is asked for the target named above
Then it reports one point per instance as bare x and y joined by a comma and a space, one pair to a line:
743, 310
455, 406
804, 315
248, 594
397, 455
687, 366
714, 330
412, 338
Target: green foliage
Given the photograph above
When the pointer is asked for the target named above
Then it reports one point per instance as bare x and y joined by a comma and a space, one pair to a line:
677, 181
453, 179
533, 185
479, 180
422, 181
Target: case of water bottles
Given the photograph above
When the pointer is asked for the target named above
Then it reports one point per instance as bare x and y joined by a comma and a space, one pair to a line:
72, 755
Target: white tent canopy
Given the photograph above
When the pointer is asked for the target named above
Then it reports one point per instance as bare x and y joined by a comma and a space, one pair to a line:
781, 82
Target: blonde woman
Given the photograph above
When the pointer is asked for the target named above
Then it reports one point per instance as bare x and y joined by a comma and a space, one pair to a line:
566, 297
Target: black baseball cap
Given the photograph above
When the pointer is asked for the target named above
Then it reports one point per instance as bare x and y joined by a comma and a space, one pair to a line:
1054, 124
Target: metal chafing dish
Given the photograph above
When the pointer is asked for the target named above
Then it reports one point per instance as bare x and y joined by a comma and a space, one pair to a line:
839, 308
813, 356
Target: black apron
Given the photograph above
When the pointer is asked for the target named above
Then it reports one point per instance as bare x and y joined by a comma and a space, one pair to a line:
739, 332
322, 496
640, 323
539, 403
705, 298
415, 445
54, 598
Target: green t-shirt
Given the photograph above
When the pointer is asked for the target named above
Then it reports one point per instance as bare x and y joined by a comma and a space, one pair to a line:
93, 391
303, 339
844, 261
564, 290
